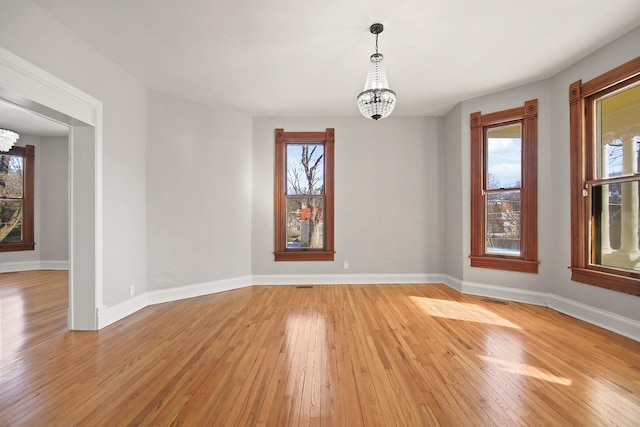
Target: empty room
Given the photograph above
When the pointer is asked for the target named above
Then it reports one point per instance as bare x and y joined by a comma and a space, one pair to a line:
343, 213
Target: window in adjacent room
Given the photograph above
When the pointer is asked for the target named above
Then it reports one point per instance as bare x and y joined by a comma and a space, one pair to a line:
504, 189
304, 196
605, 141
16, 199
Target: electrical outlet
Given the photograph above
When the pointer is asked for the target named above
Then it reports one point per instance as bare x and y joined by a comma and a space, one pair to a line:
132, 290
346, 265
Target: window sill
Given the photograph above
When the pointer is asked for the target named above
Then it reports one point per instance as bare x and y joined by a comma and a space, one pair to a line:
18, 246
300, 255
603, 279
504, 263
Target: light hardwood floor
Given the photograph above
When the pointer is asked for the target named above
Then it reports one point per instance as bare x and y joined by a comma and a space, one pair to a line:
386, 355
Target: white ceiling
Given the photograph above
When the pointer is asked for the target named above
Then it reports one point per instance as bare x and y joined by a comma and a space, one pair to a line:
299, 57
26, 122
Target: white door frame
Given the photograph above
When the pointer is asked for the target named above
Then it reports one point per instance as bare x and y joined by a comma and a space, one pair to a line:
29, 87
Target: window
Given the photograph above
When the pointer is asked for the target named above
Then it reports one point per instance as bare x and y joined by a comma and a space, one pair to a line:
504, 229
304, 196
16, 199
605, 134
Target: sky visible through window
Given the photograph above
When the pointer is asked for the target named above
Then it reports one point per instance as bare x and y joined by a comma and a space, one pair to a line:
504, 162
297, 182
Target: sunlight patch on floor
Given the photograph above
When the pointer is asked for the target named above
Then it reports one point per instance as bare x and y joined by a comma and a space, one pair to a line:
526, 370
461, 311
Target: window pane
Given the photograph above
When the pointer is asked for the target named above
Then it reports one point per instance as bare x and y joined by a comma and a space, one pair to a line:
503, 223
10, 221
11, 176
618, 133
305, 222
305, 169
616, 210
504, 157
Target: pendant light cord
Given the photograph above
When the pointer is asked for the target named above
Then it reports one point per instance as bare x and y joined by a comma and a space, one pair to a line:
376, 43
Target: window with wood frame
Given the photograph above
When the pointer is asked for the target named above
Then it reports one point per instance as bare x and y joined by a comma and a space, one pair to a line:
16, 199
504, 225
304, 196
605, 142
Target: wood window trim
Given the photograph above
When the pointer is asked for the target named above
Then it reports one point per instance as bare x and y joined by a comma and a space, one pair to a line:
27, 243
282, 253
581, 167
527, 262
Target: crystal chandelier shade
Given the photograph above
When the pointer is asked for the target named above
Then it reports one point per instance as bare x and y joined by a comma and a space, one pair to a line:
377, 100
7, 139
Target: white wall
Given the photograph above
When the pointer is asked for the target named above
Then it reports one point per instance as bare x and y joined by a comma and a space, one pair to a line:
53, 178
27, 31
454, 200
388, 195
553, 183
198, 193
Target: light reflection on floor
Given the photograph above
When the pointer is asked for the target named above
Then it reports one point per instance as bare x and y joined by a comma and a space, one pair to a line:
613, 400
461, 311
307, 355
11, 325
525, 370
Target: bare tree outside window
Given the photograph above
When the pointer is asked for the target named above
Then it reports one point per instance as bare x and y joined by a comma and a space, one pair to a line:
305, 186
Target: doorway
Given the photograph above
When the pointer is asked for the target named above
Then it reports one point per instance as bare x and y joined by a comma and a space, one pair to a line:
26, 86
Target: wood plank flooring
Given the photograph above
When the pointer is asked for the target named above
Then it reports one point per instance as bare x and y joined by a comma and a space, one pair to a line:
341, 355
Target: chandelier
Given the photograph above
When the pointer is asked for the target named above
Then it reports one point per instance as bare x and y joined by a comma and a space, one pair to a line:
7, 139
377, 100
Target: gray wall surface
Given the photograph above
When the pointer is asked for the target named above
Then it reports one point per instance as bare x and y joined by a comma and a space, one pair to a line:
198, 193
388, 195
53, 177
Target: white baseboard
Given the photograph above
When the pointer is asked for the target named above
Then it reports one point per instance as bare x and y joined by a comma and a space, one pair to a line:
175, 294
621, 325
344, 279
108, 315
54, 265
452, 282
605, 319
8, 267
500, 292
